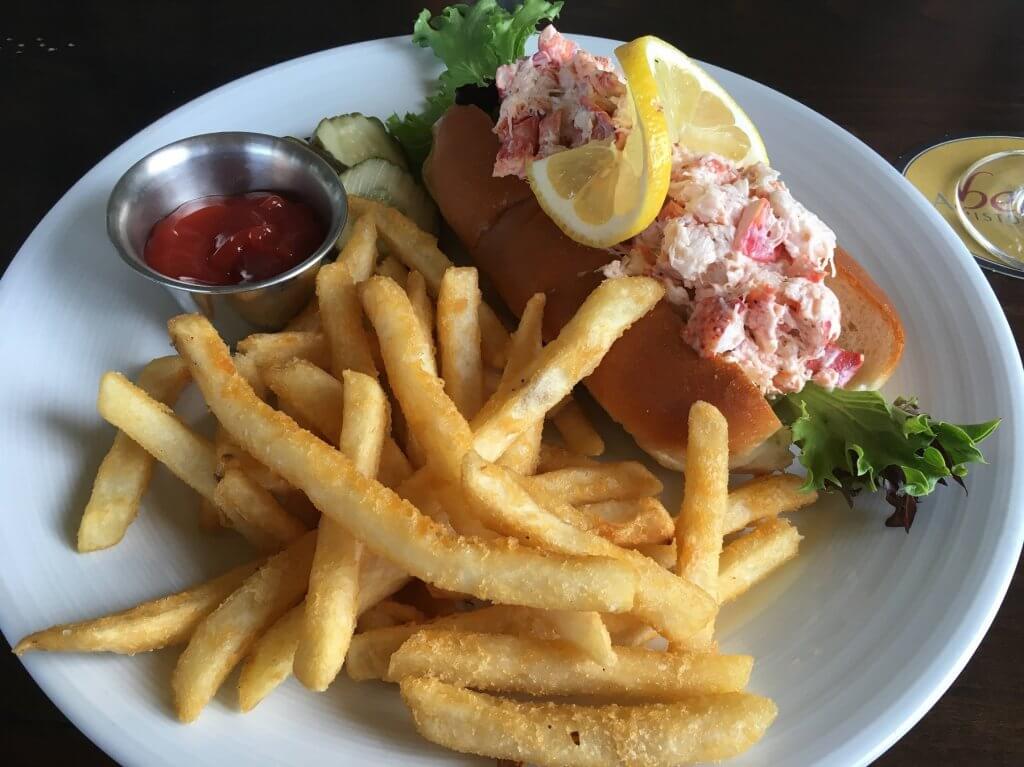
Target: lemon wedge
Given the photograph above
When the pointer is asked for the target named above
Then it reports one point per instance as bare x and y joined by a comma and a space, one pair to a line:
702, 117
600, 195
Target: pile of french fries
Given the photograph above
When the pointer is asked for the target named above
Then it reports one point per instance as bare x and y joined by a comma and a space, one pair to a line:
386, 457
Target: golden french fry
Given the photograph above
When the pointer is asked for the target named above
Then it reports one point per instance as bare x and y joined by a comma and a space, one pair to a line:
418, 250
627, 630
502, 663
764, 497
662, 553
633, 522
272, 657
370, 652
523, 455
308, 320
387, 614
333, 597
230, 455
392, 268
270, 660
149, 626
673, 606
249, 369
705, 499
616, 481
579, 434
703, 728
458, 339
495, 570
255, 513
416, 288
160, 432
581, 345
586, 632
340, 312
222, 639
429, 413
125, 472
753, 557
319, 397
210, 519
554, 457
268, 349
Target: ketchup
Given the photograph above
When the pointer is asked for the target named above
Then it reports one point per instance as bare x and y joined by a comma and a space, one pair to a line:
229, 240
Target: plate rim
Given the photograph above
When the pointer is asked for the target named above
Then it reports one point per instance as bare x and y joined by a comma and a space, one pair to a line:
1000, 570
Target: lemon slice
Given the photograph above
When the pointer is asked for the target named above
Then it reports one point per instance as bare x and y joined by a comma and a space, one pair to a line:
701, 116
600, 195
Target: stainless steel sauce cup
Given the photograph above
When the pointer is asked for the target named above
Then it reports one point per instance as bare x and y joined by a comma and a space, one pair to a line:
228, 164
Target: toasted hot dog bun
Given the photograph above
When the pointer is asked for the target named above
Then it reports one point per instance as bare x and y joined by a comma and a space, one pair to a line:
651, 376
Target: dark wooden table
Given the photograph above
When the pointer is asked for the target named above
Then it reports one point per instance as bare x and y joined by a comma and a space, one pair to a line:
78, 78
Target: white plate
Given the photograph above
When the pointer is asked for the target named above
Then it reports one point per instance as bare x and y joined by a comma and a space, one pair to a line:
855, 640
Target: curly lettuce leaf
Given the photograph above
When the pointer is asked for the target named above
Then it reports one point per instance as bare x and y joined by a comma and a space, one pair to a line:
472, 41
856, 441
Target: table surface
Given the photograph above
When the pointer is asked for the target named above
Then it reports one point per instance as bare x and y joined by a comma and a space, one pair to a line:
79, 78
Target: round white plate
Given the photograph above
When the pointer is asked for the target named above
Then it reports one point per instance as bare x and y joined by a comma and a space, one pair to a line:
855, 640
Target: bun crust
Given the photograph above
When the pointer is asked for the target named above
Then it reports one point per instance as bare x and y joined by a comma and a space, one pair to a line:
651, 376
871, 325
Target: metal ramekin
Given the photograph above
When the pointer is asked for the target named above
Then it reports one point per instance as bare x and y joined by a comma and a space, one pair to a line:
227, 164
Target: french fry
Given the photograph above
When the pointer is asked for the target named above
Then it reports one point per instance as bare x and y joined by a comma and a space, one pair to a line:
370, 652
705, 499
268, 349
272, 657
673, 606
554, 457
662, 553
416, 288
308, 320
458, 339
586, 632
148, 626
523, 455
319, 397
418, 250
392, 268
579, 434
160, 432
125, 472
581, 345
249, 369
270, 660
750, 559
497, 570
223, 637
616, 481
764, 497
502, 663
255, 513
387, 614
633, 522
704, 728
626, 630
340, 312
332, 600
230, 455
430, 414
